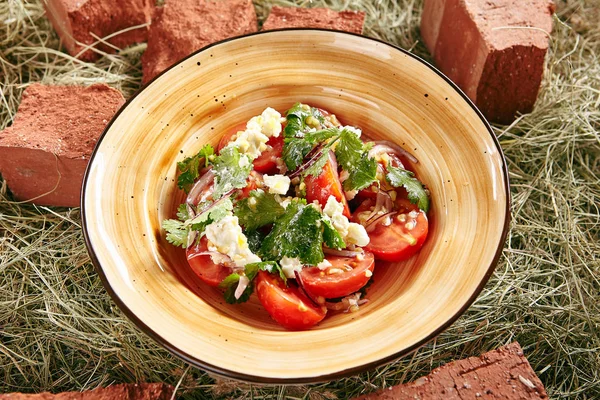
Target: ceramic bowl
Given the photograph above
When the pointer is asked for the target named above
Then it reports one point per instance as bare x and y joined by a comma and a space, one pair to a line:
130, 188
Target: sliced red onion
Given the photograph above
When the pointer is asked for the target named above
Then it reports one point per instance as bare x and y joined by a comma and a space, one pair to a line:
191, 238
241, 287
383, 203
385, 146
303, 289
195, 195
342, 253
373, 224
211, 205
215, 256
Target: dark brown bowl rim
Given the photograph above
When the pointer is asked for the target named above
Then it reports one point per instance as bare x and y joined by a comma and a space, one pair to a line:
315, 379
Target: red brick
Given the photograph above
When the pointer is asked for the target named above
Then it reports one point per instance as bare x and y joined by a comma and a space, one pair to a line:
141, 391
493, 49
296, 17
51, 140
181, 27
503, 374
76, 20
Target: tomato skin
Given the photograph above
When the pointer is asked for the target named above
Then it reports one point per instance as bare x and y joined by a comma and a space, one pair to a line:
325, 185
321, 283
255, 180
266, 163
210, 273
396, 242
288, 306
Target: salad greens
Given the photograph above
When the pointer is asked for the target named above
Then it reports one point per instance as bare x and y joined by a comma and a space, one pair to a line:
399, 177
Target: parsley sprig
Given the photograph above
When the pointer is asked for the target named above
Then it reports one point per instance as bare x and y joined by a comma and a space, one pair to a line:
189, 168
257, 210
353, 155
400, 177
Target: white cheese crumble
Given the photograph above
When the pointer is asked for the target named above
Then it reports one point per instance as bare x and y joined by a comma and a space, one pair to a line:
353, 129
324, 264
277, 184
226, 237
351, 232
289, 265
253, 140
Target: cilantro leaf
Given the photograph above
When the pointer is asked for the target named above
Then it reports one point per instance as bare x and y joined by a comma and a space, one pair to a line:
177, 232
331, 237
182, 212
190, 166
362, 174
217, 211
230, 284
258, 209
417, 194
251, 270
297, 233
255, 239
229, 172
294, 151
353, 155
349, 149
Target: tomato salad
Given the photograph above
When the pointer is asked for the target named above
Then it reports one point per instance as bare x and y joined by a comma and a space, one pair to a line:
298, 209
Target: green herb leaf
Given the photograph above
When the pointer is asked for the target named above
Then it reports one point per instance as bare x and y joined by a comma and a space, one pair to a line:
258, 209
255, 239
417, 194
353, 155
230, 284
229, 174
331, 237
297, 233
251, 270
190, 167
182, 212
363, 174
177, 232
215, 213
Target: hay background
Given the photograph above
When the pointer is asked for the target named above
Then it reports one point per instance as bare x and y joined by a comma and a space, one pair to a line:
59, 330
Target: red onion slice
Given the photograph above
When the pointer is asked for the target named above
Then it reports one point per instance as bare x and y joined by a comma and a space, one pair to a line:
385, 146
303, 289
373, 224
342, 253
241, 287
383, 203
195, 195
215, 256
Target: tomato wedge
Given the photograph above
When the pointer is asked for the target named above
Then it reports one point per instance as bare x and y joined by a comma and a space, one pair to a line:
288, 306
255, 180
266, 163
345, 276
210, 273
402, 238
325, 185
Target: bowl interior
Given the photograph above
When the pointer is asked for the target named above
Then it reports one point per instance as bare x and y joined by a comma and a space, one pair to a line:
130, 188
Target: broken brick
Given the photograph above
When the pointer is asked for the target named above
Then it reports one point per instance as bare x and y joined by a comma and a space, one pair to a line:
181, 27
43, 155
132, 391
298, 17
493, 50
503, 374
77, 21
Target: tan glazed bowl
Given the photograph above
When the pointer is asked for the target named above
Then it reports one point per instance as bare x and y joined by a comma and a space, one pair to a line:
130, 187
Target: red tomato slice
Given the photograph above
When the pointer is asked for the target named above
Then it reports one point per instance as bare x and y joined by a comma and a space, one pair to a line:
210, 273
287, 305
267, 161
255, 180
345, 276
400, 240
325, 185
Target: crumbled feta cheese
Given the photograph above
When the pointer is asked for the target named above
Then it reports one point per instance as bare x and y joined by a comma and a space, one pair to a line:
351, 232
357, 234
324, 264
244, 162
253, 140
250, 142
277, 184
226, 237
289, 265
